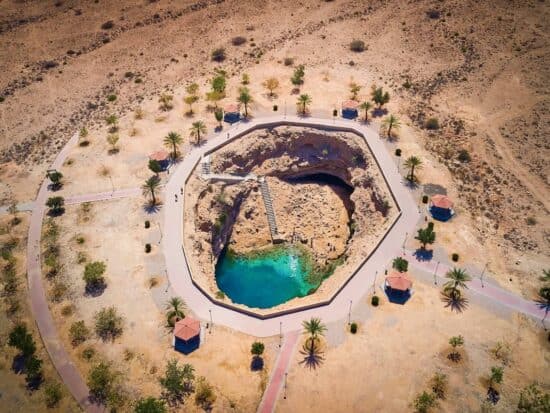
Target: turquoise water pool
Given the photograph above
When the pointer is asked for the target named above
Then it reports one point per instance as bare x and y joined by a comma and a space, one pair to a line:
263, 281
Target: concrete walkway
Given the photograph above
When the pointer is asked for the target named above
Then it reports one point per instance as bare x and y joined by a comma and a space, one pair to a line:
179, 272
363, 281
104, 196
39, 305
482, 287
271, 393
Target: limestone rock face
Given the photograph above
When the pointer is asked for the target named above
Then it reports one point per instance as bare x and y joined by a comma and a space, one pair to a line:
339, 217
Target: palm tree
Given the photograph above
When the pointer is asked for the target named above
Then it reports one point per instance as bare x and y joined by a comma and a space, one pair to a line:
303, 101
354, 89
218, 113
245, 98
413, 162
457, 279
150, 187
174, 310
543, 302
545, 275
172, 140
366, 106
391, 122
379, 96
197, 129
315, 328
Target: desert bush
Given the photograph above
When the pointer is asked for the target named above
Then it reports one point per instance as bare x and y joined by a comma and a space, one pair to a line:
353, 328
439, 385
424, 402
88, 353
79, 333
533, 400
111, 98
257, 348
220, 295
101, 382
238, 40
177, 381
432, 124
53, 395
375, 301
93, 276
58, 291
218, 55
150, 405
531, 221
108, 25
288, 61
67, 310
22, 340
204, 394
108, 324
298, 76
56, 205
464, 156
357, 46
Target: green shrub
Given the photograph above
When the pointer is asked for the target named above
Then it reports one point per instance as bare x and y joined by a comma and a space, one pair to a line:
220, 295
79, 332
88, 353
400, 264
424, 402
454, 257
398, 152
108, 324
432, 124
53, 395
353, 328
464, 156
111, 98
257, 348
93, 276
218, 55
357, 46
204, 394
150, 405
375, 301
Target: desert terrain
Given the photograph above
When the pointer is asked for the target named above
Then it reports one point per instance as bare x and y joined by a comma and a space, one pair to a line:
480, 69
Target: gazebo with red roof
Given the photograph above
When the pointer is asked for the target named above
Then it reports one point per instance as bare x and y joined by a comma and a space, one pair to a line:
162, 157
441, 207
349, 109
398, 281
398, 287
232, 113
187, 332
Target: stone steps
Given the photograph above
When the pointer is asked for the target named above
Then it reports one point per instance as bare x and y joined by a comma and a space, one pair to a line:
268, 203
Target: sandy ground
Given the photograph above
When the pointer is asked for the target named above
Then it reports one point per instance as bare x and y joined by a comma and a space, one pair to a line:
114, 233
398, 349
480, 68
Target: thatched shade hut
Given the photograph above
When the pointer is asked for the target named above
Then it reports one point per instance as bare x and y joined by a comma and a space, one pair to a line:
350, 109
398, 287
231, 113
187, 332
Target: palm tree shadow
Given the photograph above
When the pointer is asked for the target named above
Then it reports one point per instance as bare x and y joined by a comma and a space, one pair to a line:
411, 184
151, 208
455, 302
379, 112
312, 356
543, 305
